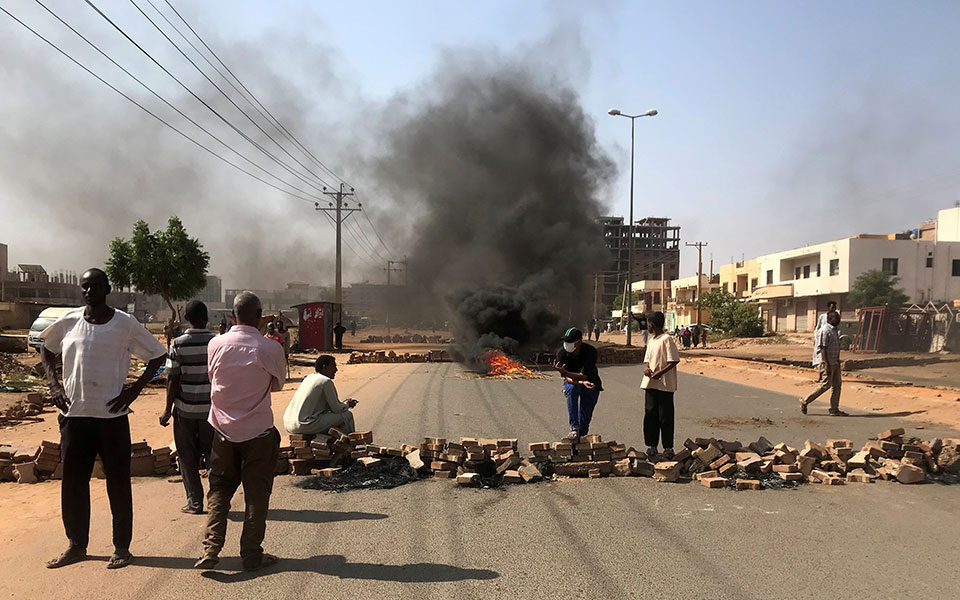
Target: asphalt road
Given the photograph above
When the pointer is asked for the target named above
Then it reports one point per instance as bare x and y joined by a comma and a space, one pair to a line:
607, 538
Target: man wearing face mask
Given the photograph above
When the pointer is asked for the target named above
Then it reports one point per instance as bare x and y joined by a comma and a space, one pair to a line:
577, 364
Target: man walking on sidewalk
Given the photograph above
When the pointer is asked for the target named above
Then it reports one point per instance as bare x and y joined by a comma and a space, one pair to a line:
244, 368
95, 343
828, 343
188, 401
821, 323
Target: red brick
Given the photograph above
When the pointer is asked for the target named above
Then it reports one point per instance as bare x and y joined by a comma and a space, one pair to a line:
747, 484
26, 472
539, 446
713, 482
369, 461
594, 473
706, 475
468, 478
530, 473
909, 473
791, 468
728, 469
444, 474
720, 461
791, 476
441, 465
891, 433
512, 477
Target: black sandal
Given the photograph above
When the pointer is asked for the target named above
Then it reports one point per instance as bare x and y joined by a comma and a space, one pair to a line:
70, 555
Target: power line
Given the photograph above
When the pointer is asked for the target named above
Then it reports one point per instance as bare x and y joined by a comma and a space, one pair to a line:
145, 109
374, 252
276, 122
377, 233
162, 120
224, 94
165, 101
201, 100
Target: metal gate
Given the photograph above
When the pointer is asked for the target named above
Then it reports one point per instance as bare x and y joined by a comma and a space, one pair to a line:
871, 328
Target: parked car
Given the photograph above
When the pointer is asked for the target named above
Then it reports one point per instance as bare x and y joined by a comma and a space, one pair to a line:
45, 319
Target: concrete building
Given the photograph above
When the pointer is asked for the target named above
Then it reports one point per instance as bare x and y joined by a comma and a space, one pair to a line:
740, 278
795, 285
684, 296
296, 292
212, 293
653, 295
655, 242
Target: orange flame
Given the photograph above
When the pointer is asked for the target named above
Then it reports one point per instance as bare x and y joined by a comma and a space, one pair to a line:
499, 363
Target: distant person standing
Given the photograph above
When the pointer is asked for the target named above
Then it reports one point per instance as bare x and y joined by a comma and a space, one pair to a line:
315, 406
353, 327
596, 330
703, 339
273, 334
685, 336
659, 384
338, 332
188, 402
284, 332
95, 343
641, 319
577, 364
245, 368
828, 343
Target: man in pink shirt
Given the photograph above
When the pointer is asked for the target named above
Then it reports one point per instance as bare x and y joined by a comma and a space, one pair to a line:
244, 368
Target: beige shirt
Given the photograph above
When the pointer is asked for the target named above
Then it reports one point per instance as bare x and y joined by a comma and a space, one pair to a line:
661, 350
316, 395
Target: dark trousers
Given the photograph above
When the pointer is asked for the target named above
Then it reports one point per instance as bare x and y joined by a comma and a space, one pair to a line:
251, 463
194, 440
580, 405
658, 418
81, 440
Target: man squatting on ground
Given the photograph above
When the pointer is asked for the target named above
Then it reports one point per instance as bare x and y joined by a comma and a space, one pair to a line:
659, 384
577, 363
188, 400
244, 368
828, 343
315, 406
821, 321
95, 343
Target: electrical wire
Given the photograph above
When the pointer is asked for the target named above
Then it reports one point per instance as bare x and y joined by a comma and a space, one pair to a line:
262, 109
147, 110
201, 100
165, 101
225, 95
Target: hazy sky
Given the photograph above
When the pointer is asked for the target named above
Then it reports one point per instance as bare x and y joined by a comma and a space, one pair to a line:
780, 124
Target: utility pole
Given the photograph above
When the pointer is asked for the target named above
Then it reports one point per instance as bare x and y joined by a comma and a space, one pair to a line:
663, 290
699, 246
342, 212
390, 268
596, 278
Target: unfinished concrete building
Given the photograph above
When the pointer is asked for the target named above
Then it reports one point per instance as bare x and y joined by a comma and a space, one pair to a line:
655, 242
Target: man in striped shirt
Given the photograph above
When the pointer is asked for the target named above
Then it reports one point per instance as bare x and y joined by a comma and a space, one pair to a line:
188, 400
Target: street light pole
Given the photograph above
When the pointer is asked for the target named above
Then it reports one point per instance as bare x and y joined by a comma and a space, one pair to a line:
616, 113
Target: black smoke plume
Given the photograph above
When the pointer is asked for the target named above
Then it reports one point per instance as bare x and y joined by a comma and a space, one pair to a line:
500, 174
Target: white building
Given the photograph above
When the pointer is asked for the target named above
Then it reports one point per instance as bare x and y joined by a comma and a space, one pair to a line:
795, 285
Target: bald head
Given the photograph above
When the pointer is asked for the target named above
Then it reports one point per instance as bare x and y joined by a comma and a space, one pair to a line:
94, 287
248, 309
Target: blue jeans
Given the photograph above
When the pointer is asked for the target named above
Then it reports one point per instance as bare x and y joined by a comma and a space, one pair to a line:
580, 405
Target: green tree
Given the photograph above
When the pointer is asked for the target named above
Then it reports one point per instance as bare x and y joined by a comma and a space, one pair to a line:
618, 300
730, 315
876, 288
168, 263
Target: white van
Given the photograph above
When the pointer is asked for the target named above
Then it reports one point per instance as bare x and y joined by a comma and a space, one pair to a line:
46, 318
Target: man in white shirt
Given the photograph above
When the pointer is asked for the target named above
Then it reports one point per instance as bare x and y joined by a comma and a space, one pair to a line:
315, 406
659, 384
817, 359
95, 343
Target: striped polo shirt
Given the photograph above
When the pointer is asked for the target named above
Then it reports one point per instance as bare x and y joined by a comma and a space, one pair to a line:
188, 358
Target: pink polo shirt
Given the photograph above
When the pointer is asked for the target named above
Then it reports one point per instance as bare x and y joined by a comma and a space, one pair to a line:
244, 368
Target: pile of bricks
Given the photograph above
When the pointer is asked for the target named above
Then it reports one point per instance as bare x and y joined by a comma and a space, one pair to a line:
43, 463
606, 355
390, 356
471, 460
24, 409
321, 454
414, 338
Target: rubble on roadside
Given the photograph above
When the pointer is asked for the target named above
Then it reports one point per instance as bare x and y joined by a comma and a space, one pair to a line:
414, 338
390, 356
32, 465
26, 409
714, 463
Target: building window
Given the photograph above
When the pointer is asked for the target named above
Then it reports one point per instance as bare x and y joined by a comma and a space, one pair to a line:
889, 265
734, 287
806, 271
834, 266
956, 268
796, 273
929, 260
769, 276
818, 269
656, 297
753, 283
